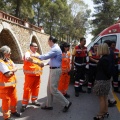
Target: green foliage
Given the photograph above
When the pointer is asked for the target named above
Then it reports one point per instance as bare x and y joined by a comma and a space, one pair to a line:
107, 12
64, 19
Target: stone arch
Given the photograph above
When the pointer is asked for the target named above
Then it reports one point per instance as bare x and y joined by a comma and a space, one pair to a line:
8, 38
35, 39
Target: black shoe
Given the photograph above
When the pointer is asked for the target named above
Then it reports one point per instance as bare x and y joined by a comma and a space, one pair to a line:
23, 108
10, 119
16, 114
67, 95
65, 109
112, 104
47, 108
117, 91
89, 90
35, 103
77, 94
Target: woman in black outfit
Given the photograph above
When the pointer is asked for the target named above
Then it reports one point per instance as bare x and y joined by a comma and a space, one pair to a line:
102, 82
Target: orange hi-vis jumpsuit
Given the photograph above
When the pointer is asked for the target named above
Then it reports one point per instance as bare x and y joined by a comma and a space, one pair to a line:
64, 78
32, 80
8, 91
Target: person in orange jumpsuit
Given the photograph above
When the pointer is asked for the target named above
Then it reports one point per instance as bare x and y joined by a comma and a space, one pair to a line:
65, 77
32, 69
8, 84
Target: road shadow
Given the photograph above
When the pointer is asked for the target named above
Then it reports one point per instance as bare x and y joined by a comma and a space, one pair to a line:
36, 113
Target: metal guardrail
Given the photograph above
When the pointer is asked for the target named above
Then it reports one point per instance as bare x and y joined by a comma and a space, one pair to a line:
16, 20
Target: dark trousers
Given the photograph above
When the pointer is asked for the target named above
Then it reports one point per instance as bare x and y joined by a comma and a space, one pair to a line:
79, 77
91, 75
115, 77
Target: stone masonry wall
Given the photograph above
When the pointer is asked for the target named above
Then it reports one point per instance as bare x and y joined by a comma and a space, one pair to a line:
21, 37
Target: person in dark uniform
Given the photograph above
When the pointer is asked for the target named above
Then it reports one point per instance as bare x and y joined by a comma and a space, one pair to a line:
79, 60
115, 71
93, 60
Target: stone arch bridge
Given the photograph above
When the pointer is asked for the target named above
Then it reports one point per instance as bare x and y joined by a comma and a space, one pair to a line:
18, 34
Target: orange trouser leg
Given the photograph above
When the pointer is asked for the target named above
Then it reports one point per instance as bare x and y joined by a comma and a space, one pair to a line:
9, 101
64, 83
35, 88
6, 107
13, 103
28, 85
67, 82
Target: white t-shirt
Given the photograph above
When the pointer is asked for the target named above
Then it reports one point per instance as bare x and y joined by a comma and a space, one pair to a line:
4, 68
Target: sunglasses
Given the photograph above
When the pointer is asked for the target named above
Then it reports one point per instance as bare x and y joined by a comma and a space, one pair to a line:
35, 46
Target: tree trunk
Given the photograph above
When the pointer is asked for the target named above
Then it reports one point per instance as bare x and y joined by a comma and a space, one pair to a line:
17, 10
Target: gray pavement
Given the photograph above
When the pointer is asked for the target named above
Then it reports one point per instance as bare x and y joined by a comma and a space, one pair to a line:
84, 107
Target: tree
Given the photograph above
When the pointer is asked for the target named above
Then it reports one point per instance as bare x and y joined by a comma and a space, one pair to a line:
18, 8
54, 15
80, 14
65, 19
107, 12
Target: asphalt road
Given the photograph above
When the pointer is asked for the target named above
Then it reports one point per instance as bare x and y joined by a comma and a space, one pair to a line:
84, 107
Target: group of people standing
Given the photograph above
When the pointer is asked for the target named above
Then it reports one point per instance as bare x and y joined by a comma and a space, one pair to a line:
59, 65
98, 63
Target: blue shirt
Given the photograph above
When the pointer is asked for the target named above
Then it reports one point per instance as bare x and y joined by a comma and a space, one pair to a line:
55, 56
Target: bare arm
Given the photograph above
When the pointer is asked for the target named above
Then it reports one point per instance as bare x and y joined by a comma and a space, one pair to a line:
41, 64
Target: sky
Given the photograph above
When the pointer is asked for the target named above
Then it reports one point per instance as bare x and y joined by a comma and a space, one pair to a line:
90, 6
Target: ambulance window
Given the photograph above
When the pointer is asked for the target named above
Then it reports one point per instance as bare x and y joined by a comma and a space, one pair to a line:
111, 38
99, 41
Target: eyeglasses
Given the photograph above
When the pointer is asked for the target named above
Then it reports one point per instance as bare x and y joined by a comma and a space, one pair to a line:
35, 46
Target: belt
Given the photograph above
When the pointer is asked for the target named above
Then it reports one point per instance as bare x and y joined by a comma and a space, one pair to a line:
54, 67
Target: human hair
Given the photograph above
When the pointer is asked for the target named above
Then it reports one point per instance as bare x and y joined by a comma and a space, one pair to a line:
33, 44
113, 42
1, 55
3, 50
103, 49
63, 45
82, 38
108, 42
53, 39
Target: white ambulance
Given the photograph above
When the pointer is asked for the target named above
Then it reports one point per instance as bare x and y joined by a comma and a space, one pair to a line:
111, 33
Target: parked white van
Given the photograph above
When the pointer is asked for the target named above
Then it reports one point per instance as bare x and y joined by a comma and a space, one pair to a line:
111, 33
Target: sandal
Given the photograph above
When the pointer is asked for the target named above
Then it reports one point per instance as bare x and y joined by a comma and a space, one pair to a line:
99, 117
106, 114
